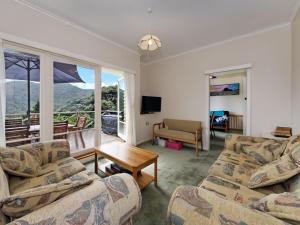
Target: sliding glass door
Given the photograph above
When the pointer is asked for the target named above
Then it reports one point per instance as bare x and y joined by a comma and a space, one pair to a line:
22, 85
49, 96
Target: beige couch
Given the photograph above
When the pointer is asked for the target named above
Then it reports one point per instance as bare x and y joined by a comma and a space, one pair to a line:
186, 131
63, 192
255, 181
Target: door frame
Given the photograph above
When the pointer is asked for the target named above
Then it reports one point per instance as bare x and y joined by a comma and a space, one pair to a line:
122, 136
216, 72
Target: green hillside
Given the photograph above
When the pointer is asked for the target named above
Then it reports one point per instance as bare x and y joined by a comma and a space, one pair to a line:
67, 98
16, 95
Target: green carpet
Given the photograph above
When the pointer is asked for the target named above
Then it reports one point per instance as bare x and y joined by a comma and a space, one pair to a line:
174, 168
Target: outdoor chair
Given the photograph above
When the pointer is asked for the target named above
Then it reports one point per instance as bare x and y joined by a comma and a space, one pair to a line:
35, 120
16, 136
11, 123
80, 125
60, 130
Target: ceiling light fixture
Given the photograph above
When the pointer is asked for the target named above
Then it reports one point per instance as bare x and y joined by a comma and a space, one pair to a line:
149, 42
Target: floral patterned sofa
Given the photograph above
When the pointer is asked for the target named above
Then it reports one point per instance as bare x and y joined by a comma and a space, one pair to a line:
41, 184
254, 181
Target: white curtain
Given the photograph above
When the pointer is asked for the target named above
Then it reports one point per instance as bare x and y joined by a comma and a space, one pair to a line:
130, 108
2, 96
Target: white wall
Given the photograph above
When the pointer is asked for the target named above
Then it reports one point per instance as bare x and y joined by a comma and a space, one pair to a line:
19, 21
235, 104
296, 73
181, 82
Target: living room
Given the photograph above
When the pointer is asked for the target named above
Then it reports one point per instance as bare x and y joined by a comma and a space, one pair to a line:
193, 42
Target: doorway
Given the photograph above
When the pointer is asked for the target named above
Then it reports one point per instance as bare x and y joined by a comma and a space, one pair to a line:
113, 118
228, 104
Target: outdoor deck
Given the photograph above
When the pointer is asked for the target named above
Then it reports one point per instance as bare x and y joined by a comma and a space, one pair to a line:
89, 139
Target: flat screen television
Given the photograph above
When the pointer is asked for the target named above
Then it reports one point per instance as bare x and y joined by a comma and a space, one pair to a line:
150, 104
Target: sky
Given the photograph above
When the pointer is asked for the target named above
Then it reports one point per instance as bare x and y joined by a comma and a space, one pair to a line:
87, 75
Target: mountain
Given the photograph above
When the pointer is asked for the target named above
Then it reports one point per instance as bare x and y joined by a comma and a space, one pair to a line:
64, 94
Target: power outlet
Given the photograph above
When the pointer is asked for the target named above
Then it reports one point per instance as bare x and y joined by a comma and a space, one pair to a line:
147, 123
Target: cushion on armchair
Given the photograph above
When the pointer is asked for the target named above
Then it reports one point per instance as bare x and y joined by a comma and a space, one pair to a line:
113, 200
50, 151
20, 204
19, 162
48, 174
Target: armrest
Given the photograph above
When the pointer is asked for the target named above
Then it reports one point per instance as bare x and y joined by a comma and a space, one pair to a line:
161, 124
158, 124
116, 198
198, 134
236, 142
195, 205
38, 197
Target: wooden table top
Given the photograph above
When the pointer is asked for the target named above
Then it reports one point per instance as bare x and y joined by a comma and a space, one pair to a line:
128, 155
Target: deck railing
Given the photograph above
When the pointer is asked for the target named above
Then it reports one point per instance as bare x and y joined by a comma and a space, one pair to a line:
109, 120
71, 117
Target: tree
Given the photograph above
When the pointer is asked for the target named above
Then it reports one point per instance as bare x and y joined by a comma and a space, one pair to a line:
36, 107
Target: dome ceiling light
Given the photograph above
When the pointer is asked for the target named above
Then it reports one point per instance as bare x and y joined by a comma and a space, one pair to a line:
149, 42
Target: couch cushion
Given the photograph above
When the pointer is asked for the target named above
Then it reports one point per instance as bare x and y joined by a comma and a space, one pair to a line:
285, 206
183, 125
266, 152
49, 174
293, 142
272, 189
4, 188
274, 172
238, 142
231, 190
18, 162
197, 206
175, 134
238, 173
33, 149
236, 158
293, 184
22, 203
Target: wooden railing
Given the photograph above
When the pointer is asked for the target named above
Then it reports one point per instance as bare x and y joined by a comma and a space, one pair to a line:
235, 122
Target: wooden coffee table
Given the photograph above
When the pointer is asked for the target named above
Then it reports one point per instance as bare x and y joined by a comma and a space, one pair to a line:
131, 158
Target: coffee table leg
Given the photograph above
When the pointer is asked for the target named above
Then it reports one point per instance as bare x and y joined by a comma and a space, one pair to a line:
155, 172
134, 174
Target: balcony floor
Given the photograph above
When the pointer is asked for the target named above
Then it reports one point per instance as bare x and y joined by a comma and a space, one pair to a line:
89, 140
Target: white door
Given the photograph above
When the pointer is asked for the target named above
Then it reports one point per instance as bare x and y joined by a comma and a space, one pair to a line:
121, 109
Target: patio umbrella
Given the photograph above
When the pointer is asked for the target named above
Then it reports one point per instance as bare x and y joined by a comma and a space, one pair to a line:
21, 66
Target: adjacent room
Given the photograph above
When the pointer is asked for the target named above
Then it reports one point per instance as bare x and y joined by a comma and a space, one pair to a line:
145, 112
227, 104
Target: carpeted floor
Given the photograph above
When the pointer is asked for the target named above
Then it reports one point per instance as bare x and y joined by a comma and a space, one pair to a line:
174, 168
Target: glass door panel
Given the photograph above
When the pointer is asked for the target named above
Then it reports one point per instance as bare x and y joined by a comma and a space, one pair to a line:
74, 105
22, 120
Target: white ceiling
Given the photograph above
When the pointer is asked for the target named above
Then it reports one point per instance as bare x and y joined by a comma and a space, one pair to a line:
182, 25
